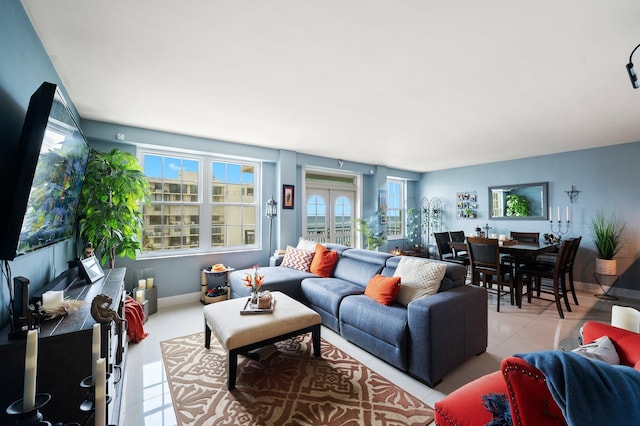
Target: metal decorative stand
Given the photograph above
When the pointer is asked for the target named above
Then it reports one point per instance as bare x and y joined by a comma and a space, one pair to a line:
89, 404
413, 241
609, 280
431, 219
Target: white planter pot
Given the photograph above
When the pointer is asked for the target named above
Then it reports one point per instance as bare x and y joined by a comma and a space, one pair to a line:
606, 267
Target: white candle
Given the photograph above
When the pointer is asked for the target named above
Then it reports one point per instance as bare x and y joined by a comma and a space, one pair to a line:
30, 367
140, 296
150, 282
142, 284
101, 393
559, 218
550, 214
51, 299
95, 350
567, 213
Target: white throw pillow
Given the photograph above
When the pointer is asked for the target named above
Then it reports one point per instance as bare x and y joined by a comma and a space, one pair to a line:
601, 349
418, 278
308, 245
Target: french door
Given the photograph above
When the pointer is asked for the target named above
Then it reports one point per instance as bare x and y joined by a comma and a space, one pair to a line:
329, 215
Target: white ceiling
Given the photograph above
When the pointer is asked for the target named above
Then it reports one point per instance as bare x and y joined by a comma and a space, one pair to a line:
418, 85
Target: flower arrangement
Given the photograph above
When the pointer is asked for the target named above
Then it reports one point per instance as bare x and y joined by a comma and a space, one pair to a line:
254, 281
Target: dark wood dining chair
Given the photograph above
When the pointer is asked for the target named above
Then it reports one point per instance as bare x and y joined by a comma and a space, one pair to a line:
550, 258
487, 268
445, 252
521, 238
458, 237
526, 237
533, 275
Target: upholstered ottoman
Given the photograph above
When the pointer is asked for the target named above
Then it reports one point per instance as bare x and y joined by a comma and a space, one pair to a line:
239, 334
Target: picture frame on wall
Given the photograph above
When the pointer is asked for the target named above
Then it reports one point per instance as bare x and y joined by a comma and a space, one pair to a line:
287, 196
382, 205
91, 269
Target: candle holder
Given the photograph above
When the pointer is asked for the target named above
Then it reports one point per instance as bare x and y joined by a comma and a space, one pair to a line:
558, 227
30, 417
89, 404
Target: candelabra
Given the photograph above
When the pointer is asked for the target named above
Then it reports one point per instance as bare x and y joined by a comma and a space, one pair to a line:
558, 227
30, 416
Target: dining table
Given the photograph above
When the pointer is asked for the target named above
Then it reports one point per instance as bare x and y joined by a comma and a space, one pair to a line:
520, 253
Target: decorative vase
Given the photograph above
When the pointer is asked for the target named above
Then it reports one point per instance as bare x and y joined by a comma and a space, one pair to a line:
606, 266
254, 297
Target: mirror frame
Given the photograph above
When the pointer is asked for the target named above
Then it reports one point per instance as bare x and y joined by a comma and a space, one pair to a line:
545, 201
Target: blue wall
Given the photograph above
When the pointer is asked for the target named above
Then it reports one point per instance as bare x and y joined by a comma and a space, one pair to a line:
181, 275
24, 66
608, 178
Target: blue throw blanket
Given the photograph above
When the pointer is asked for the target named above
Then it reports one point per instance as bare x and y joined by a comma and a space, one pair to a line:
590, 392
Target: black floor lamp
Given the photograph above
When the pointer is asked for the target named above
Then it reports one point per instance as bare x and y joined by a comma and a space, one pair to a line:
271, 212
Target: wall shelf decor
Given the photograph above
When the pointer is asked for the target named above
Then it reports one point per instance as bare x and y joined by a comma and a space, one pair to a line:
467, 205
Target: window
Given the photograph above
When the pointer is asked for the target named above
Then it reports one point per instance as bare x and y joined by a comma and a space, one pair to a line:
395, 211
190, 212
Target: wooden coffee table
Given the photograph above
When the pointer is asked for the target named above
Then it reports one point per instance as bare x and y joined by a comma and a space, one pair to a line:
239, 334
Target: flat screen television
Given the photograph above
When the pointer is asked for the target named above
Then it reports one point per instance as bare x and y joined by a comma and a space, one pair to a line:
47, 176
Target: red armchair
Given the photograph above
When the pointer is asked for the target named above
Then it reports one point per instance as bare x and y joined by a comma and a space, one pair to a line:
529, 397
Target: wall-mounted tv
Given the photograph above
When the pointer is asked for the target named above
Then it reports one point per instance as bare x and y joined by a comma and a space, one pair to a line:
47, 176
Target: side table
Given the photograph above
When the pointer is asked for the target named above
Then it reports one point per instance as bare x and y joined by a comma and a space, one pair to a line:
609, 280
214, 279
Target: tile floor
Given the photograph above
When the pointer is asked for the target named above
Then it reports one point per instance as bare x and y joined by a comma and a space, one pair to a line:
534, 327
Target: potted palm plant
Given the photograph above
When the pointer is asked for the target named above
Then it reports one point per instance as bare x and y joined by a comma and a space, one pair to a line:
607, 237
371, 230
110, 209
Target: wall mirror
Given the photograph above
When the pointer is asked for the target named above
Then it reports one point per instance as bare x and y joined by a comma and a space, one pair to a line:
522, 201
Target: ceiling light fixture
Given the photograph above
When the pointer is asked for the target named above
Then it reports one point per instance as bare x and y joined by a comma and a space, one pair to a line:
631, 71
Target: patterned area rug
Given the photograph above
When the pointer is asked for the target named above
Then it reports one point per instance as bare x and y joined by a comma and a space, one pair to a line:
290, 387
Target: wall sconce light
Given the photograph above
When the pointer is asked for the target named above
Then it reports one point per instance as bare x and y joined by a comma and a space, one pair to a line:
271, 211
573, 194
631, 71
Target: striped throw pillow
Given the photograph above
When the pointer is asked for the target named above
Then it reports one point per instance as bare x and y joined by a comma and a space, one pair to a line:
297, 259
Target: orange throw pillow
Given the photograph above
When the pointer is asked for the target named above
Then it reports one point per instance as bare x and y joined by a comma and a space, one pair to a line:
323, 261
383, 289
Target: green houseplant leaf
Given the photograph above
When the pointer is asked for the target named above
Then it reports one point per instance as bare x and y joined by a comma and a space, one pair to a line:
607, 235
110, 207
371, 230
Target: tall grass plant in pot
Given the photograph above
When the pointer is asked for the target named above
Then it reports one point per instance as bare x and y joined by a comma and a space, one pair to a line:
607, 238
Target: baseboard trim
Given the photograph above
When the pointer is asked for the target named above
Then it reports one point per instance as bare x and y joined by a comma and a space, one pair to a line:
180, 299
626, 293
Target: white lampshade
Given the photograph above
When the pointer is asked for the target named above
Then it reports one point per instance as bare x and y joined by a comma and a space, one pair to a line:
625, 317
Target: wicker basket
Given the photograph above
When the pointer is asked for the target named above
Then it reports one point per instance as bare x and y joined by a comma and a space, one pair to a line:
213, 299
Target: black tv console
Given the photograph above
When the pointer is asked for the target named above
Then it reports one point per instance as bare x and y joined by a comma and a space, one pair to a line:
64, 352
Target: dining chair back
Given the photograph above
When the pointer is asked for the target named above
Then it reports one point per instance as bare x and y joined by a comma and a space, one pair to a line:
458, 237
571, 260
526, 237
486, 267
535, 272
445, 252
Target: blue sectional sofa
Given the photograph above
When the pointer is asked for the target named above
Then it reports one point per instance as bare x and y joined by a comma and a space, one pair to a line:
428, 338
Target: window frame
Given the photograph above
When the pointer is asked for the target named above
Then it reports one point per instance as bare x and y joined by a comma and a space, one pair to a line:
205, 201
400, 206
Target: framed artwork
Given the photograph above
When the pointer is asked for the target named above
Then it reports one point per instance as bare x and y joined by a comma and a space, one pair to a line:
287, 196
382, 205
91, 269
